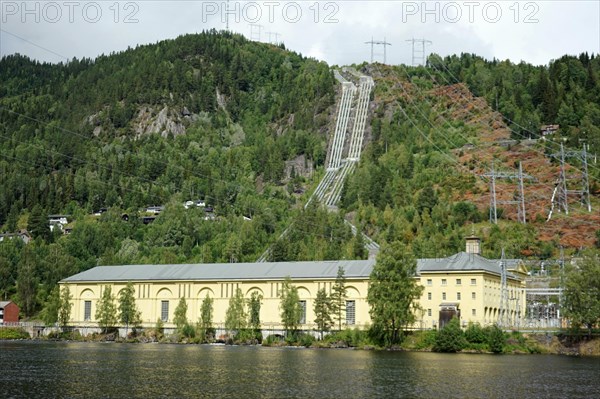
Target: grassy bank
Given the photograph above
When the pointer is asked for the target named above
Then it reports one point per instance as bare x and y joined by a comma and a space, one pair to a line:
472, 340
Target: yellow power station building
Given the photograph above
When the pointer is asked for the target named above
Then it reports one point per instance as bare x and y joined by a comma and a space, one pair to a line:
466, 285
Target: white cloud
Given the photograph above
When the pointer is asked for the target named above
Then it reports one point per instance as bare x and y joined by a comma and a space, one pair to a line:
562, 27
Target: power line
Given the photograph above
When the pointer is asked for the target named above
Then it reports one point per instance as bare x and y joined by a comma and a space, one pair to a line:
504, 117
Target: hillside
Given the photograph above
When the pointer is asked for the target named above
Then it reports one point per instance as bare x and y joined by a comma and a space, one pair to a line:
432, 140
205, 148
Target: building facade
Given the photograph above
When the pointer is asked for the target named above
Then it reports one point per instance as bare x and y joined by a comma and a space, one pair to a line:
9, 312
465, 285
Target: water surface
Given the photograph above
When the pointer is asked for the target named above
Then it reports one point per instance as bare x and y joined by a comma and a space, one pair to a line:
32, 369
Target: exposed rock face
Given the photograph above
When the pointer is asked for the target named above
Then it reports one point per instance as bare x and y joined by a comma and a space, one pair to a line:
166, 121
301, 166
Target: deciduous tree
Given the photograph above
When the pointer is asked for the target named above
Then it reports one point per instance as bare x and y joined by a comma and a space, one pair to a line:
235, 317
106, 311
582, 291
180, 316
206, 318
128, 311
289, 306
254, 304
65, 306
393, 292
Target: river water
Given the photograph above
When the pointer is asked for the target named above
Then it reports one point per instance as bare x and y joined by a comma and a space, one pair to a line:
30, 369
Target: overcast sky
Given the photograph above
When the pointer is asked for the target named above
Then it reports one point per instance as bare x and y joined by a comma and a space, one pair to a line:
334, 31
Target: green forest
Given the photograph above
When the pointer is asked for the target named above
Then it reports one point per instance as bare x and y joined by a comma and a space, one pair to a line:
244, 127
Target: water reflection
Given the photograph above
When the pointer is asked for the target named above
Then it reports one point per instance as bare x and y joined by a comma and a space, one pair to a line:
84, 370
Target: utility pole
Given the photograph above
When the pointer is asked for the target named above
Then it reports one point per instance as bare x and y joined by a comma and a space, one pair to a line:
383, 43
560, 197
519, 201
419, 54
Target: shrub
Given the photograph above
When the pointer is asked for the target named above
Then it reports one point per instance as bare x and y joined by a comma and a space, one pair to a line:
475, 334
273, 339
13, 333
306, 340
349, 337
450, 338
188, 331
425, 339
248, 336
495, 338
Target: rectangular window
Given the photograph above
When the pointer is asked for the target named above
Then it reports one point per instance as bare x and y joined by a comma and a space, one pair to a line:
429, 312
473, 281
473, 295
458, 281
350, 313
473, 312
302, 312
87, 310
429, 296
429, 282
444, 282
458, 296
164, 310
443, 296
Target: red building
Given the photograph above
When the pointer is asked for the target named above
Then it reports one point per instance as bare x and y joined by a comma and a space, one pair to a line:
9, 312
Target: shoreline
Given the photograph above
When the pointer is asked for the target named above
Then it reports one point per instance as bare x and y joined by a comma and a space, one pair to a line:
538, 344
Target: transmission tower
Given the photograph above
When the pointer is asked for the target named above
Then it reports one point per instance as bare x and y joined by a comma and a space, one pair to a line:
560, 196
519, 201
276, 37
255, 32
383, 43
503, 315
227, 17
418, 53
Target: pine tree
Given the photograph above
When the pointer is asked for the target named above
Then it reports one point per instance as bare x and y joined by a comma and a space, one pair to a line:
27, 280
37, 223
12, 218
338, 297
322, 311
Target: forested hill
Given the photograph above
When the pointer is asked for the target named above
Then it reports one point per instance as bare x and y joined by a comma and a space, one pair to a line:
224, 88
239, 129
437, 130
237, 126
